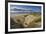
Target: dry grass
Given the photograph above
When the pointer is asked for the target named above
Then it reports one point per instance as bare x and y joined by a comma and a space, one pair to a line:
28, 20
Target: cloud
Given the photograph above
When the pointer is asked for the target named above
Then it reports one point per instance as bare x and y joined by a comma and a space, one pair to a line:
21, 8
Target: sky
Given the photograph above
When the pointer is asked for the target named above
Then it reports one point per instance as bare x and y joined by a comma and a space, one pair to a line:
25, 7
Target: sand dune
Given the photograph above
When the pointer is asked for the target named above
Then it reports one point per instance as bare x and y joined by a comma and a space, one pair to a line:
27, 21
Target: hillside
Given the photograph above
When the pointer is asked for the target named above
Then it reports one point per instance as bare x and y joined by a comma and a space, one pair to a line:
26, 21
